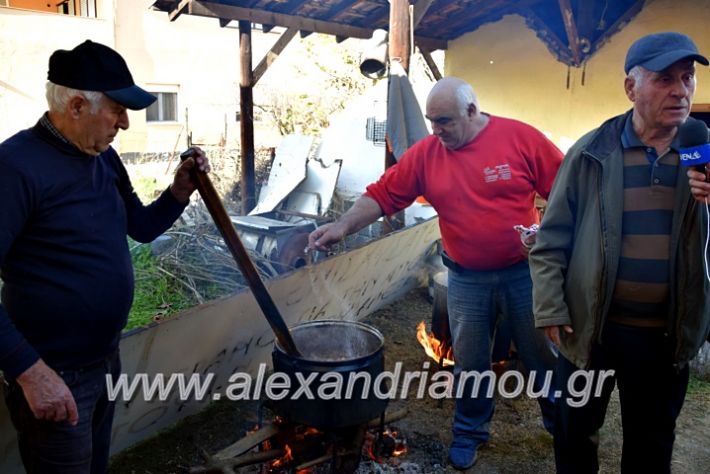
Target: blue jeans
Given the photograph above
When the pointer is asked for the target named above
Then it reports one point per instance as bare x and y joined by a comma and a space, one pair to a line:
475, 300
59, 448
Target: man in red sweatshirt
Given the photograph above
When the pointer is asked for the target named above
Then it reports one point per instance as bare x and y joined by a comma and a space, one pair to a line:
480, 172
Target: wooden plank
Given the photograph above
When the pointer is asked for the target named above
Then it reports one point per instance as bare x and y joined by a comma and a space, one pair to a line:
218, 10
178, 10
273, 54
245, 444
571, 29
339, 8
430, 62
211, 9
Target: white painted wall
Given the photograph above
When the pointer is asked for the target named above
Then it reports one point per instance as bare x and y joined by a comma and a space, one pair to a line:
27, 39
192, 55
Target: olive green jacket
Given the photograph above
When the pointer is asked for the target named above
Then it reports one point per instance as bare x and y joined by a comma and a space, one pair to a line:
575, 259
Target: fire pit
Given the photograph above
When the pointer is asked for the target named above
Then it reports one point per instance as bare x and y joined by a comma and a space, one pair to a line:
324, 415
285, 447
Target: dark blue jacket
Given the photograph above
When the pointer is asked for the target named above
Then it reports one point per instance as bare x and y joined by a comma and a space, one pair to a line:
64, 258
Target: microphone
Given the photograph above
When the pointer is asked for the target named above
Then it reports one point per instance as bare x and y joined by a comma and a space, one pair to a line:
694, 146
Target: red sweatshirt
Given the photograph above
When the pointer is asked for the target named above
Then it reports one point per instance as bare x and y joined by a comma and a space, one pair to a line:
480, 191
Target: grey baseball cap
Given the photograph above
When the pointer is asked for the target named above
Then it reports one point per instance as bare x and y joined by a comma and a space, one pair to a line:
657, 51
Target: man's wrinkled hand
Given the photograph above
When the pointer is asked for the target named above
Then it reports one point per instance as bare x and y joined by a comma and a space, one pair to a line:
183, 186
325, 235
699, 186
47, 395
553, 333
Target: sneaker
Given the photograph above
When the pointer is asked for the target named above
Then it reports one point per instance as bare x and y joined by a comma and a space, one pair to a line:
462, 454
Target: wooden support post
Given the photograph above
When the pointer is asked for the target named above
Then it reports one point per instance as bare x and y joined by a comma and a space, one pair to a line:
246, 119
399, 35
400, 50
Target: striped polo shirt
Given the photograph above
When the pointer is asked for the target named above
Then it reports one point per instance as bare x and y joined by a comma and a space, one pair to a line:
642, 284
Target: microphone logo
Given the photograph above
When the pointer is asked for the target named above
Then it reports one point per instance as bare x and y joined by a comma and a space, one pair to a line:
695, 155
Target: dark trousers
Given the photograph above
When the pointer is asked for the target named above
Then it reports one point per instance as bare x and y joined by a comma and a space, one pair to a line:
651, 393
48, 447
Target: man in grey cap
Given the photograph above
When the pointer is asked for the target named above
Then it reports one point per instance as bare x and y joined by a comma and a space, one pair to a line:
618, 277
67, 206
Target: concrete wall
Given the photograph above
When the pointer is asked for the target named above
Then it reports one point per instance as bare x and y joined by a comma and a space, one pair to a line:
516, 76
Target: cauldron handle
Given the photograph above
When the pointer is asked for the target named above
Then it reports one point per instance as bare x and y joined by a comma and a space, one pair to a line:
231, 238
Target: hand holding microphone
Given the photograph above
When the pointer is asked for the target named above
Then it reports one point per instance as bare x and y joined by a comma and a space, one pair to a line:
695, 154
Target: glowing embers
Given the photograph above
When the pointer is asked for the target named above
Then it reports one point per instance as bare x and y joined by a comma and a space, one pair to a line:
440, 351
389, 444
281, 447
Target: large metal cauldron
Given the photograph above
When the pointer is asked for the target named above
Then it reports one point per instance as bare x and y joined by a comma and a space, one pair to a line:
327, 346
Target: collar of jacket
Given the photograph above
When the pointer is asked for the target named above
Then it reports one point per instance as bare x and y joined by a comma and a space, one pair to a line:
607, 138
56, 142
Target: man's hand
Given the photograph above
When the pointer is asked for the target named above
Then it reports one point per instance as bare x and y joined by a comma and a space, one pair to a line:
364, 211
183, 186
47, 395
699, 187
326, 235
525, 250
553, 333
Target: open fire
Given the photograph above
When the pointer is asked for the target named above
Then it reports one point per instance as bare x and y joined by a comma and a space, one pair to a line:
441, 352
283, 461
390, 444
282, 447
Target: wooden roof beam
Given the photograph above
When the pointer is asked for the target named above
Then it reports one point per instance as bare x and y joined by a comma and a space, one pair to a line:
571, 29
178, 10
272, 55
339, 8
219, 10
618, 24
426, 54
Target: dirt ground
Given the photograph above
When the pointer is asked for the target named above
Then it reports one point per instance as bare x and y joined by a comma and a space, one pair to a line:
518, 443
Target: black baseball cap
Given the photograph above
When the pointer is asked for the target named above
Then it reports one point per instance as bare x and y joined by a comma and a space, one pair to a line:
96, 67
657, 51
